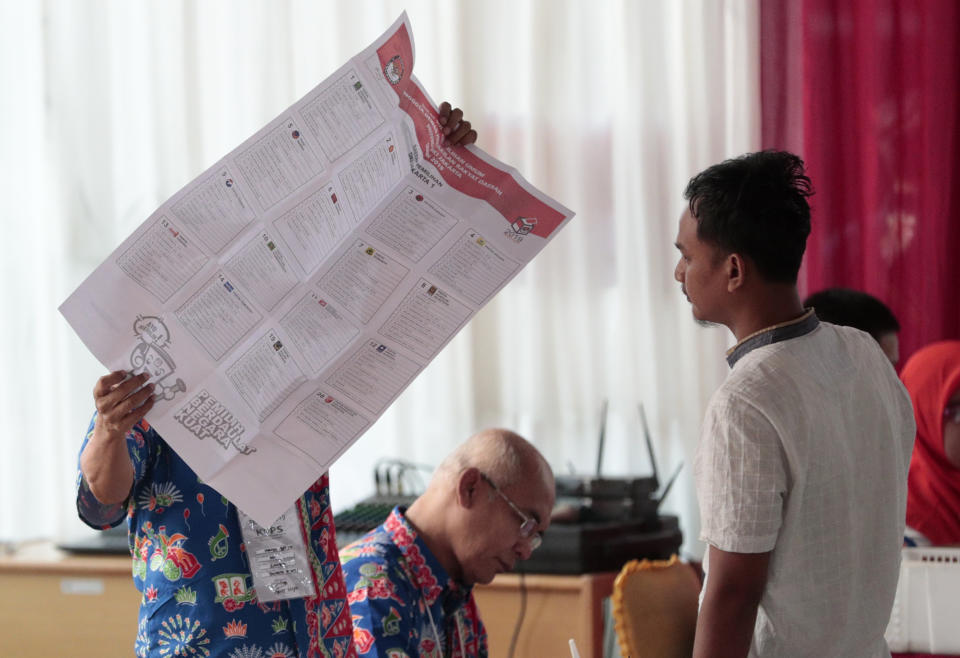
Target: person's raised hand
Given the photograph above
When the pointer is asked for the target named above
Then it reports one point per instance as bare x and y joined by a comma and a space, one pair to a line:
456, 131
121, 403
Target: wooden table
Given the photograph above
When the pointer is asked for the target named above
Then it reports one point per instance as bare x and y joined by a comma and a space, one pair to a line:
558, 608
54, 604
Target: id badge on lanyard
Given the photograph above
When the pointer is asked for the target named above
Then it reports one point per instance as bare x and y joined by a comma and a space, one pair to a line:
278, 557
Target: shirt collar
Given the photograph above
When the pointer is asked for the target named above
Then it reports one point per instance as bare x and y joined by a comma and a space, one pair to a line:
784, 331
423, 569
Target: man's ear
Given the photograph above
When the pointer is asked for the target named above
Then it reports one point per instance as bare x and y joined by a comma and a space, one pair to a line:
468, 487
736, 268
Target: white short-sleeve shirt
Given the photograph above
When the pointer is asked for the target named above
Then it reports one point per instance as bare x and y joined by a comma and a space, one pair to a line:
804, 452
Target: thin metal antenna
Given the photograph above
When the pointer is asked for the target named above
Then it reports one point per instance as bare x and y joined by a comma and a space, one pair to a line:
603, 435
646, 435
666, 489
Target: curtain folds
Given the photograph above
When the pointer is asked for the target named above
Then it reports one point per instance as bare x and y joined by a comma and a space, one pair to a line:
868, 90
609, 106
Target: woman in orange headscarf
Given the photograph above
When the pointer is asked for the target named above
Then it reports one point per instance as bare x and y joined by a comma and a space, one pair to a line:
932, 376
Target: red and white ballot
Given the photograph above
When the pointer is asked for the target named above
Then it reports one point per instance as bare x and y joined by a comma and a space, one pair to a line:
285, 297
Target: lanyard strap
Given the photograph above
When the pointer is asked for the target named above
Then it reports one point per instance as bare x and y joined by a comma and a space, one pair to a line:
458, 616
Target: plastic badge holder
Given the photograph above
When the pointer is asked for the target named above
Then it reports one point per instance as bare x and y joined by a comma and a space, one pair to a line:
926, 609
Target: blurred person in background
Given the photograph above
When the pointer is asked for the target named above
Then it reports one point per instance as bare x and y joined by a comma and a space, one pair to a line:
932, 377
853, 308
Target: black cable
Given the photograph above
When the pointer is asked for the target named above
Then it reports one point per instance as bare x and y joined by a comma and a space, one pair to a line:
523, 611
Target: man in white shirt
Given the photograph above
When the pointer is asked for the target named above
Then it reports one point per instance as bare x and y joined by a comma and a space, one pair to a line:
802, 463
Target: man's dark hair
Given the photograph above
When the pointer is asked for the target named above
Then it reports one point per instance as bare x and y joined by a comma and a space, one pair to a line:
756, 206
853, 308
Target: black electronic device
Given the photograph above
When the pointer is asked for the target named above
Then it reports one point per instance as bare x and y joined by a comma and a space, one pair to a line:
596, 498
110, 541
591, 546
599, 523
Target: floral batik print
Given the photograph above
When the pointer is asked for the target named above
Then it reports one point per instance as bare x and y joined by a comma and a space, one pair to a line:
190, 566
393, 580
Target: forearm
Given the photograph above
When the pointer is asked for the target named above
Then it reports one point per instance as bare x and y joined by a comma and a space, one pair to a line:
122, 400
106, 466
735, 585
725, 625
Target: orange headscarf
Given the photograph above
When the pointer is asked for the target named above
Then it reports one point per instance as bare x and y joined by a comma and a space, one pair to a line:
932, 376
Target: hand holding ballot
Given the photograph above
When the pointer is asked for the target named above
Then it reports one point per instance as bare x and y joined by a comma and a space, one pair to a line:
455, 130
122, 400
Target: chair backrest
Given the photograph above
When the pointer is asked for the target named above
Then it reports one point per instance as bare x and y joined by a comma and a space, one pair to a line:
655, 608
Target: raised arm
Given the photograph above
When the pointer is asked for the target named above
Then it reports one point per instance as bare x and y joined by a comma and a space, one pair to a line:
121, 403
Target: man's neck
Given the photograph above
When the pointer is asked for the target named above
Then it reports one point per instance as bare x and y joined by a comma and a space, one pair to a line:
773, 304
429, 521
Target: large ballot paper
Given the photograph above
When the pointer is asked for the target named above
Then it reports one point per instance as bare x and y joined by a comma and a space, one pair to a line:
286, 296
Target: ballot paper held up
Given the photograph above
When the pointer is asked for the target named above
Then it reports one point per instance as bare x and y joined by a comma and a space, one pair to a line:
286, 296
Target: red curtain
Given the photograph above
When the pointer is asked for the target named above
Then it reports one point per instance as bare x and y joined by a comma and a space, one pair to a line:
866, 91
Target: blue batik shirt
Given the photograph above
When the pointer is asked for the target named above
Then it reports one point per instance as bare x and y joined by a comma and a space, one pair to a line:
189, 564
402, 601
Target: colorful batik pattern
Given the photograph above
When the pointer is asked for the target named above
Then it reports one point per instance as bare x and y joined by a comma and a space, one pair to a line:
190, 566
392, 580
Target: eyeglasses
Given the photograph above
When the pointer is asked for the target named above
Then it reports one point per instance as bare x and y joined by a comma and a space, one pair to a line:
952, 412
528, 529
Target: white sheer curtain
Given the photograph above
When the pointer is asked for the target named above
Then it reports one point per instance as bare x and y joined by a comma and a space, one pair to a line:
610, 106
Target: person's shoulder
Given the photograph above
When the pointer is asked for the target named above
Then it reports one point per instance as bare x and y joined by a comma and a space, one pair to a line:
864, 354
870, 368
859, 344
856, 338
375, 573
825, 349
758, 384
747, 399
374, 547
750, 380
369, 563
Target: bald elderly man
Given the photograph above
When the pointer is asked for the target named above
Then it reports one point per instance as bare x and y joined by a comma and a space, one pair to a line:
410, 581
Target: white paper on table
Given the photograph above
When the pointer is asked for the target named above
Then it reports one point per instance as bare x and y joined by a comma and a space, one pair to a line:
285, 297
